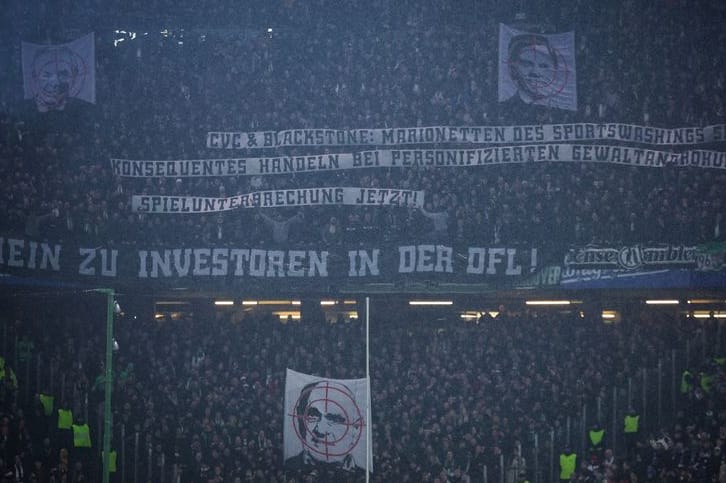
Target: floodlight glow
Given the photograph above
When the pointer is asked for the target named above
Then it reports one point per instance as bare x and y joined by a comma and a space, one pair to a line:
470, 315
705, 314
547, 302
284, 314
430, 302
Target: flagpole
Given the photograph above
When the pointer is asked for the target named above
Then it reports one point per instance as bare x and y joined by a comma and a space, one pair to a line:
108, 384
368, 381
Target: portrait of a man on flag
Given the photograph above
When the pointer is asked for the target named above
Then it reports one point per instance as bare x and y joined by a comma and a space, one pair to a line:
537, 69
326, 423
55, 74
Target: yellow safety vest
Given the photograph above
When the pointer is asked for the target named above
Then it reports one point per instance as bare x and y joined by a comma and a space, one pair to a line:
13, 378
81, 436
47, 402
65, 419
567, 465
706, 382
596, 436
686, 382
631, 423
111, 461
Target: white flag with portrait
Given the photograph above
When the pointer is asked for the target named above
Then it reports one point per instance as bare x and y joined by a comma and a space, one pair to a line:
54, 74
537, 68
326, 421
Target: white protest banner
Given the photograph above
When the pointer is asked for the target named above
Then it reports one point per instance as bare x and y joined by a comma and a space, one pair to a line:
537, 68
279, 198
545, 133
700, 158
417, 158
146, 168
53, 74
326, 422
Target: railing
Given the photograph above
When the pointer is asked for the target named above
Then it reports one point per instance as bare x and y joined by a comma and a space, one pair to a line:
652, 392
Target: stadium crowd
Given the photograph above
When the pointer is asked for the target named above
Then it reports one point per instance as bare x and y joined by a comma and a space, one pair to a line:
449, 398
159, 95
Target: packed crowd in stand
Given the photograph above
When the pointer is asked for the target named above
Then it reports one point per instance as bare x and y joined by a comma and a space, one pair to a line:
159, 95
448, 397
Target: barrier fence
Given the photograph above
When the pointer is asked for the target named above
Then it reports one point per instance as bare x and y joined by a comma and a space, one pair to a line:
652, 392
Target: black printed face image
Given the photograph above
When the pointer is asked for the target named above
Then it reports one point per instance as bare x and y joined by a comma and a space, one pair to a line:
57, 74
329, 422
536, 68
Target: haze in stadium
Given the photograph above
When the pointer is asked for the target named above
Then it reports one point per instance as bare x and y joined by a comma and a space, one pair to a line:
294, 241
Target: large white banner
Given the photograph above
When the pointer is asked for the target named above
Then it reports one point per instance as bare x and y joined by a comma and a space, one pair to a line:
537, 68
396, 136
326, 422
418, 158
279, 198
55, 74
